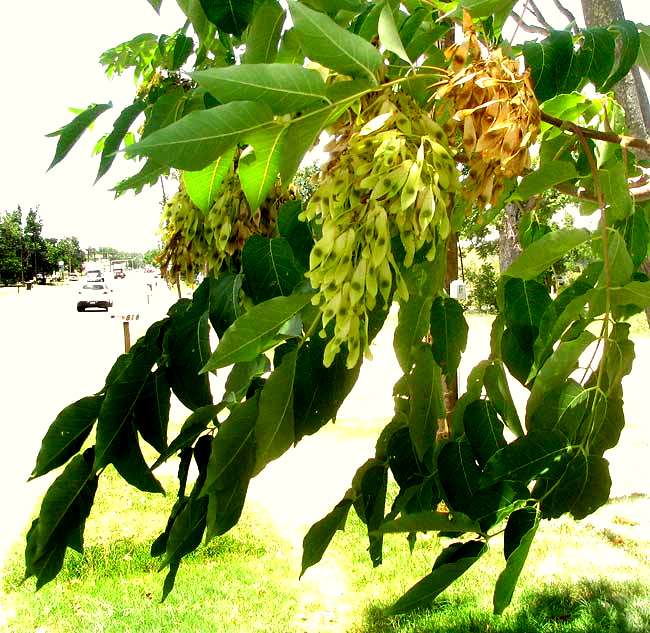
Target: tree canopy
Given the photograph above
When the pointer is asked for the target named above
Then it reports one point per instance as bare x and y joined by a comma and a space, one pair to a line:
421, 131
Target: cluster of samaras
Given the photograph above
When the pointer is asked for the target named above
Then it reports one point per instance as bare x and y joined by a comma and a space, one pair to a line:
493, 108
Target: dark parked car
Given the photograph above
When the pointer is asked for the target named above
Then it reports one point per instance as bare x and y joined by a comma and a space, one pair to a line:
94, 295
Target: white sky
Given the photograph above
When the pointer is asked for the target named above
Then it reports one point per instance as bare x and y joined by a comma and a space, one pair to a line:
50, 50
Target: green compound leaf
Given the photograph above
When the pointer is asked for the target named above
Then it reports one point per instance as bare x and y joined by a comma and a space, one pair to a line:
449, 334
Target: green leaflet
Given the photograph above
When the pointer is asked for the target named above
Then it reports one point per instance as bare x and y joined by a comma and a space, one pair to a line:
115, 138
449, 335
71, 133
321, 533
203, 185
426, 400
264, 33
518, 537
226, 15
369, 488
555, 371
325, 42
484, 430
66, 434
260, 163
231, 447
64, 508
256, 331
452, 563
540, 255
583, 488
186, 348
431, 522
543, 178
274, 429
202, 136
283, 88
389, 35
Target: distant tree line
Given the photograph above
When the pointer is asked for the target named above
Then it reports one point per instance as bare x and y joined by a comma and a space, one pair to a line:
24, 251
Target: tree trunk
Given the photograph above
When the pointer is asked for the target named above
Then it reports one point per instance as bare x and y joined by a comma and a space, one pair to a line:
509, 247
630, 92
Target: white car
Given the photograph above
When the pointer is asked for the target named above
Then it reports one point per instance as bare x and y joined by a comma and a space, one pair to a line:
94, 294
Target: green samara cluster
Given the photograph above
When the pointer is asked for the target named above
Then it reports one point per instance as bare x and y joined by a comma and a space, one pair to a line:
203, 241
390, 174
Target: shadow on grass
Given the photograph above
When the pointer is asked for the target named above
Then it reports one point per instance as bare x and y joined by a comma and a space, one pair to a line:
586, 606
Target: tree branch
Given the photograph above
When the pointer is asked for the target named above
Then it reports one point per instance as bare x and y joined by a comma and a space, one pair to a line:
527, 27
625, 142
539, 16
567, 14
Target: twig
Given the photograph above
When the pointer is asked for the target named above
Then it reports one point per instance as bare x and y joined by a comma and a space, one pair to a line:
567, 14
539, 16
527, 27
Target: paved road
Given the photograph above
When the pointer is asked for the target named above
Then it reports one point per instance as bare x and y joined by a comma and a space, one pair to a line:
51, 356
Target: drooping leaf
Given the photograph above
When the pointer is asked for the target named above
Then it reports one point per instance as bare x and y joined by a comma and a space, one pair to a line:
498, 392
426, 399
66, 434
459, 474
66, 505
597, 54
484, 430
369, 489
551, 64
186, 347
151, 412
148, 175
229, 16
264, 33
283, 88
320, 534
260, 163
46, 566
203, 185
325, 42
525, 302
389, 35
242, 374
186, 532
202, 136
613, 181
69, 134
556, 370
183, 48
197, 422
607, 432
452, 563
220, 297
449, 334
256, 331
533, 456
225, 506
561, 409
414, 316
115, 138
233, 448
583, 488
275, 429
297, 233
117, 408
518, 537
